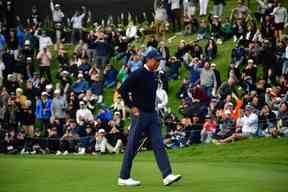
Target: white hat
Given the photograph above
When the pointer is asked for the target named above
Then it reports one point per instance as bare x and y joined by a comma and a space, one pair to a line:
49, 87
101, 131
57, 91
213, 65
82, 103
19, 90
27, 42
80, 75
44, 93
250, 61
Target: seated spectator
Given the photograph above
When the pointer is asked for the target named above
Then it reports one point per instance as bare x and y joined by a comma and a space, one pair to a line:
96, 88
91, 99
174, 66
83, 114
176, 139
102, 146
227, 28
80, 85
203, 31
110, 76
248, 124
283, 119
226, 127
84, 67
68, 143
267, 122
211, 50
249, 76
238, 55
135, 62
216, 29
239, 30
209, 128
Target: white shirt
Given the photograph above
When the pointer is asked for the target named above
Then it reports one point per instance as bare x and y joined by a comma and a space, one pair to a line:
44, 42
175, 4
2, 68
77, 21
131, 31
249, 123
57, 15
85, 114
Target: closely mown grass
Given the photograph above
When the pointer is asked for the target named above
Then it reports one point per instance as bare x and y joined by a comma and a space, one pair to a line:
252, 165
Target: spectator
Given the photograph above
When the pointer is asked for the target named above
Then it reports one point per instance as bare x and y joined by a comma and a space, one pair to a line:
110, 75
218, 7
77, 26
43, 111
280, 19
176, 14
209, 128
248, 124
83, 115
102, 146
174, 66
59, 108
208, 80
135, 62
45, 57
81, 85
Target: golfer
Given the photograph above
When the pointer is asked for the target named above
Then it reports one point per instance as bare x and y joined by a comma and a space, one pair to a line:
139, 94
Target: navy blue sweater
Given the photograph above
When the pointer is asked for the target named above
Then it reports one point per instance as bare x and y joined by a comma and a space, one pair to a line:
142, 84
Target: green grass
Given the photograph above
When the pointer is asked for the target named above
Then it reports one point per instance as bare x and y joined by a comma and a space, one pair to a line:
251, 165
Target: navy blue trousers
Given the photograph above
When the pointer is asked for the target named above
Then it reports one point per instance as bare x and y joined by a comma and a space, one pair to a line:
148, 123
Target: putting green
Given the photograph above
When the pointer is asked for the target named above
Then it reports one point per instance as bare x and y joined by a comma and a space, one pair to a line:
25, 174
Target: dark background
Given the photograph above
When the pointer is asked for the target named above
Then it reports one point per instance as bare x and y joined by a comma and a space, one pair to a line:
100, 8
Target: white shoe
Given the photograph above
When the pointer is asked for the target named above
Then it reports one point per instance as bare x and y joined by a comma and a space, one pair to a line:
170, 179
65, 153
58, 153
33, 152
23, 152
128, 182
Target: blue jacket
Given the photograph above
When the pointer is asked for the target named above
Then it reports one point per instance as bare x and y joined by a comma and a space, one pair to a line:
97, 88
111, 76
2, 41
80, 87
43, 110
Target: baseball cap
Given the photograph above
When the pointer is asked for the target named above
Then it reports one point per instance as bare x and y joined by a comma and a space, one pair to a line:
44, 93
101, 131
153, 54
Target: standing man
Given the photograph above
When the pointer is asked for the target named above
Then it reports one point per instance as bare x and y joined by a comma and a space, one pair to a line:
45, 58
139, 93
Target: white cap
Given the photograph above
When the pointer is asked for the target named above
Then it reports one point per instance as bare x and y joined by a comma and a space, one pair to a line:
101, 131
80, 75
49, 87
27, 42
57, 91
250, 61
19, 90
44, 93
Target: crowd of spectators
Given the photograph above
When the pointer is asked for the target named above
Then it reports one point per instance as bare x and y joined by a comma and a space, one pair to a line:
54, 101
